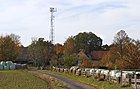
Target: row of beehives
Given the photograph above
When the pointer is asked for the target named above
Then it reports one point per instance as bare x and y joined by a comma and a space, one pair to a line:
125, 78
9, 65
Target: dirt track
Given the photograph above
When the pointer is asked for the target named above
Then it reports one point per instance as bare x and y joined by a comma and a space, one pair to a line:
71, 84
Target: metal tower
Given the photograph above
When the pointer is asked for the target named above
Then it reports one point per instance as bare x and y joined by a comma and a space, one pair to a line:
52, 10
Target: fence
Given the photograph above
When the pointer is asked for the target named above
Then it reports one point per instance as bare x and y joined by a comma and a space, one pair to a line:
134, 79
129, 77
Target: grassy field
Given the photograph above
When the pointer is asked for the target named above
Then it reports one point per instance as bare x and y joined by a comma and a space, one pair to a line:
53, 82
91, 81
18, 79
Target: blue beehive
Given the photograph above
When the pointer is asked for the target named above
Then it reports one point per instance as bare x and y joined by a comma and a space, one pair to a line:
13, 66
1, 66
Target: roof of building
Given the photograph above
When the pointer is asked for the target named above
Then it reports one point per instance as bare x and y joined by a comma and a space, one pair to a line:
96, 55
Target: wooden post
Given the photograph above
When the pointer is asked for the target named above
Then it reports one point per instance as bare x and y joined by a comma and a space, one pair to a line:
110, 78
129, 79
135, 76
121, 79
99, 76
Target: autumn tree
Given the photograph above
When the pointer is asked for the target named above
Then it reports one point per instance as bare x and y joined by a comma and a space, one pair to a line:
9, 47
132, 57
58, 52
117, 52
87, 41
124, 53
58, 48
84, 59
69, 56
69, 46
110, 58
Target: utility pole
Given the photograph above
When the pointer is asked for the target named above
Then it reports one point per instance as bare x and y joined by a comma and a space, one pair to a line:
52, 10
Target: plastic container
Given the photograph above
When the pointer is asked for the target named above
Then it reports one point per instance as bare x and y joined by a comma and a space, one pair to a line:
3, 63
106, 72
118, 74
113, 73
98, 71
102, 71
6, 67
9, 63
12, 67
1, 67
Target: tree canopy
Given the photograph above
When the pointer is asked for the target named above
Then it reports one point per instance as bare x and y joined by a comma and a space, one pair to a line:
9, 47
39, 52
124, 52
88, 41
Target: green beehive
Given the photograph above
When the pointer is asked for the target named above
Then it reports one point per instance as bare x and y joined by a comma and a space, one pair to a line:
1, 66
113, 73
13, 66
2, 63
9, 63
6, 67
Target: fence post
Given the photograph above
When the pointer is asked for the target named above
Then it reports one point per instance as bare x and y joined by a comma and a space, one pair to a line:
130, 77
135, 76
121, 79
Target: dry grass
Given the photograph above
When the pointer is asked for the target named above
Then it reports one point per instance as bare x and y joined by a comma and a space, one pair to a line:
52, 82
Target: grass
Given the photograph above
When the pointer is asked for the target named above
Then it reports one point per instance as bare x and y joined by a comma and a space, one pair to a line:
18, 79
90, 81
53, 82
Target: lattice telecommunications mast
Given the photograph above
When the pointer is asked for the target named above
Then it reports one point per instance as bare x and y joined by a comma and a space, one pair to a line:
52, 10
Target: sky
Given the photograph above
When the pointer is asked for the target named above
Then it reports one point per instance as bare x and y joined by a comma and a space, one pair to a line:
31, 18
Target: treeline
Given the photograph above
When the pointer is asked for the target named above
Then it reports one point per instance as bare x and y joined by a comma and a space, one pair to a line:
45, 53
124, 52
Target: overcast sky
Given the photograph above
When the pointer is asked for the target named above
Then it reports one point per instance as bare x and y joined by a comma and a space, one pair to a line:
31, 18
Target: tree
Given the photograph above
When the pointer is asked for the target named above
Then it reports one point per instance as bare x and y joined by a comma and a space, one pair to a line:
85, 41
9, 47
88, 41
124, 53
69, 46
110, 58
39, 52
68, 60
117, 54
120, 40
132, 57
58, 49
84, 59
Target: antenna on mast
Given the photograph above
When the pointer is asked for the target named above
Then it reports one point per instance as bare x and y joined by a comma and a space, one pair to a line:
52, 10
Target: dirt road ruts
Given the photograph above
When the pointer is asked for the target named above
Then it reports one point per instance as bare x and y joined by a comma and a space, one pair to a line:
71, 84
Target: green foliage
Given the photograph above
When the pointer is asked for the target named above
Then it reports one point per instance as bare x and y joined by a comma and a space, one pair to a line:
40, 51
68, 60
87, 41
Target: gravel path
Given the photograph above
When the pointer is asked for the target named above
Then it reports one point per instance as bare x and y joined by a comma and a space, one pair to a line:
71, 84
